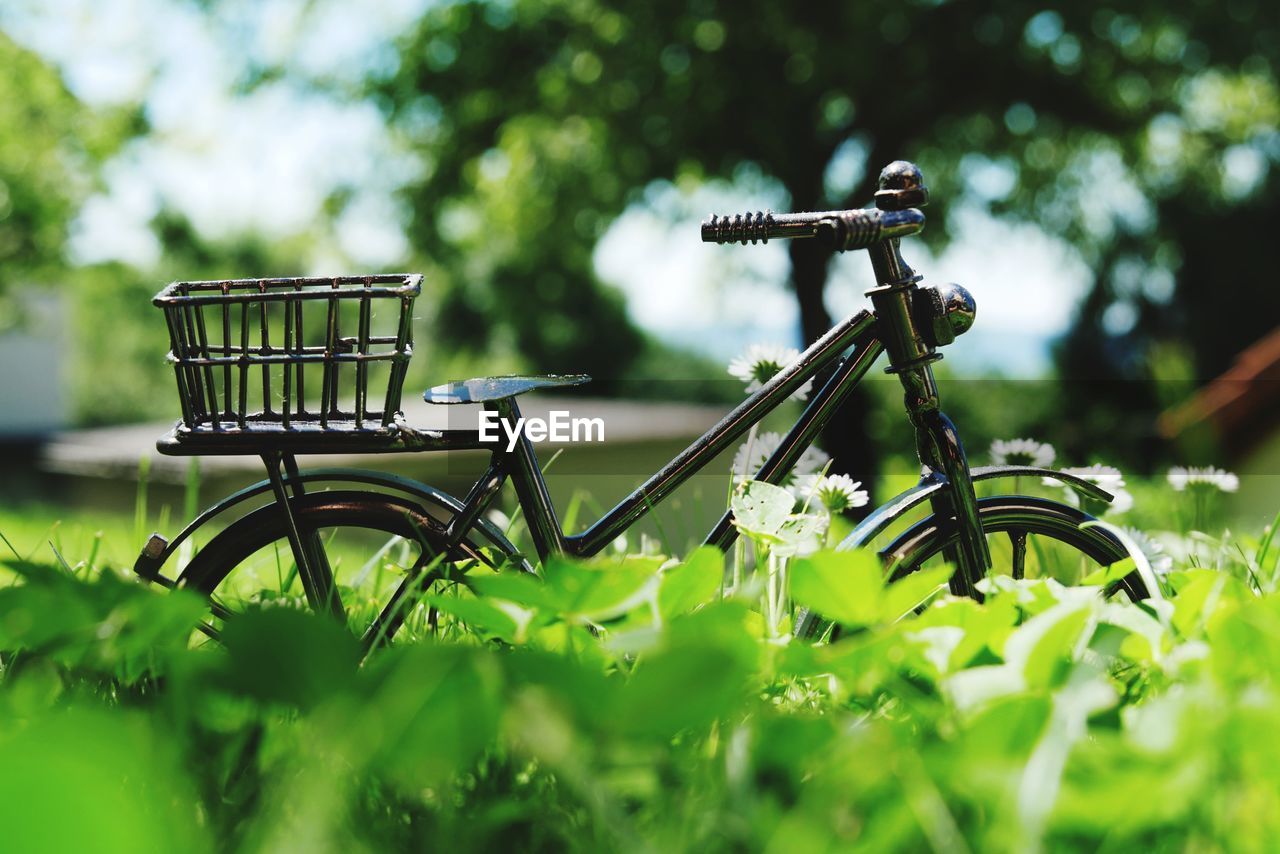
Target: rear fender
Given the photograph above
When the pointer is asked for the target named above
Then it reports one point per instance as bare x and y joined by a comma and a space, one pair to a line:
156, 553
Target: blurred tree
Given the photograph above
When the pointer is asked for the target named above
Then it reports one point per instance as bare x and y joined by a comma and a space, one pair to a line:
50, 144
1118, 130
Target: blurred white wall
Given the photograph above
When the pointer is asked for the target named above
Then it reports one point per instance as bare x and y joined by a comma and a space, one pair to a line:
33, 397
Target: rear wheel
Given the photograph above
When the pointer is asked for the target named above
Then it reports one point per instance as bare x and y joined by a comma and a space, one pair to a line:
381, 554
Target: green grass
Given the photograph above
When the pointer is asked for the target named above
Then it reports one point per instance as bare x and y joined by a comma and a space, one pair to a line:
37, 531
635, 703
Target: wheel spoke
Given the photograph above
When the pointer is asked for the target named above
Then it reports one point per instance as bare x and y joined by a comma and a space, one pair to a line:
219, 610
416, 581
430, 567
1018, 539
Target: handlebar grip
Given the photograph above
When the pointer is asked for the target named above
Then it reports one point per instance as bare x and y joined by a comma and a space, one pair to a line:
844, 230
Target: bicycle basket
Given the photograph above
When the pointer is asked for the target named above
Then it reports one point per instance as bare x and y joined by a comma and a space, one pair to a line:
306, 351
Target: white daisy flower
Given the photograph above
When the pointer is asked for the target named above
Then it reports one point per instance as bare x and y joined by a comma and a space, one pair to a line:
761, 362
1107, 477
836, 492
753, 453
1022, 452
1207, 478
1160, 562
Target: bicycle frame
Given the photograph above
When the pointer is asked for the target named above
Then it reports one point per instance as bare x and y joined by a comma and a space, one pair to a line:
864, 336
856, 332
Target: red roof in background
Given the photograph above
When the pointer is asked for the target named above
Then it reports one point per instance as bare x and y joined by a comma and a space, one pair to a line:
1241, 403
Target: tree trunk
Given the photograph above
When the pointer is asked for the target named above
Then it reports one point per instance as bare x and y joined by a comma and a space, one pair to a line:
846, 437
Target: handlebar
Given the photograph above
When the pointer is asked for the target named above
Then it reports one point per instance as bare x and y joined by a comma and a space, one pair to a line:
842, 230
902, 192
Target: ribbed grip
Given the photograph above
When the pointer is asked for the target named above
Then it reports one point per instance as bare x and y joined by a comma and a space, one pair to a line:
843, 230
739, 228
856, 229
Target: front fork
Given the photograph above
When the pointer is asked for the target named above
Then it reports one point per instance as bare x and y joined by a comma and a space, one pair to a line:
970, 556
938, 444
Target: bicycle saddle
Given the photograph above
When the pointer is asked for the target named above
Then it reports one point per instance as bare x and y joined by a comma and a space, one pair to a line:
484, 389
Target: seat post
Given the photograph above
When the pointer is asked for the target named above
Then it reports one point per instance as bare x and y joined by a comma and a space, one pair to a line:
521, 463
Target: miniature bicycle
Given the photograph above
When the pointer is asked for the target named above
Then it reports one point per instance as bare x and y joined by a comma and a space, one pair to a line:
283, 340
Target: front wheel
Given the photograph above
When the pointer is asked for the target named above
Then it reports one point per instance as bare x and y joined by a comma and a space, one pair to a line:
1028, 537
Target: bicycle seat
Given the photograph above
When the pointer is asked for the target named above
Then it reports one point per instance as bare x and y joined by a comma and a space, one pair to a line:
485, 389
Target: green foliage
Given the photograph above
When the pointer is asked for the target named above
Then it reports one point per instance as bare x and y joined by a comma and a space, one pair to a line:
687, 585
625, 704
48, 153
849, 588
83, 776
1140, 136
116, 326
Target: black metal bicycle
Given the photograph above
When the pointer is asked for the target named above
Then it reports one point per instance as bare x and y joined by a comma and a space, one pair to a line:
311, 350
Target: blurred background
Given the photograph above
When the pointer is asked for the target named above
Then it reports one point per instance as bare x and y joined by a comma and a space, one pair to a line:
1103, 179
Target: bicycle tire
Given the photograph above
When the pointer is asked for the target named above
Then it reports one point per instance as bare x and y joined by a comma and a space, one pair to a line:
1001, 514
1014, 513
233, 547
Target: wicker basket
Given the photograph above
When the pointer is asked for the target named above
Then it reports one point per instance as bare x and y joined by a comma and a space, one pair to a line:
290, 355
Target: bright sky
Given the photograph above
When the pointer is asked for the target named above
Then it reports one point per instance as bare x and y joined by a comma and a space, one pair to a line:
264, 161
